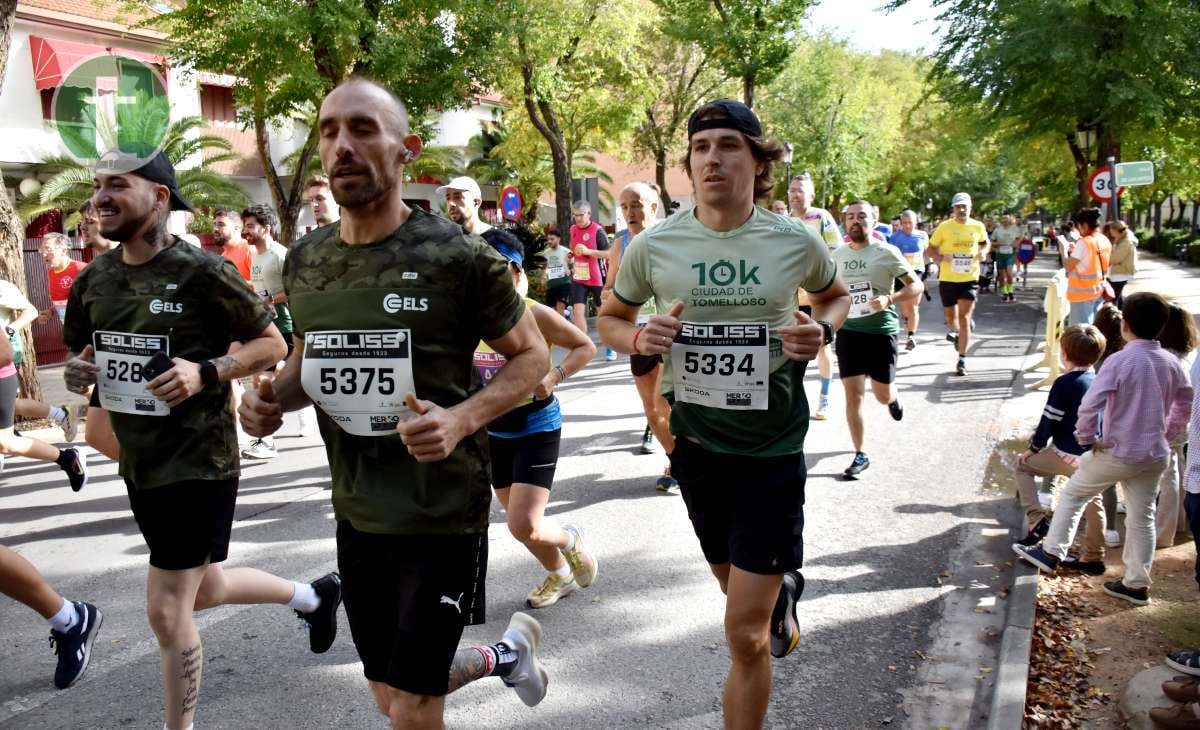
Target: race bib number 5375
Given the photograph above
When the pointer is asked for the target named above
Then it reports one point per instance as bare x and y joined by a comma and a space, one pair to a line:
359, 377
722, 365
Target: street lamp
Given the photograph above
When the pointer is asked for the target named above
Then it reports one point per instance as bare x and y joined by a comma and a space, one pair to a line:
787, 160
1085, 137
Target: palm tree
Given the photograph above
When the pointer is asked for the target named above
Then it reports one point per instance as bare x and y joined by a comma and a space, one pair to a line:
71, 183
436, 162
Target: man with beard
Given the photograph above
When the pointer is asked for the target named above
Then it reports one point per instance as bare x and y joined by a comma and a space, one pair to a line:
867, 343
227, 231
151, 323
389, 305
958, 245
89, 230
463, 200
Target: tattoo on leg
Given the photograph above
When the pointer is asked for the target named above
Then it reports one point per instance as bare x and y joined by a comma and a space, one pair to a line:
469, 665
193, 658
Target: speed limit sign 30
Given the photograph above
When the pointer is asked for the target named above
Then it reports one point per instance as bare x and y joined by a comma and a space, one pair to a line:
1100, 186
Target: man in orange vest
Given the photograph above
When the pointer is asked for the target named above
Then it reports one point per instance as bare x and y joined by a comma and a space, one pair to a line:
1086, 264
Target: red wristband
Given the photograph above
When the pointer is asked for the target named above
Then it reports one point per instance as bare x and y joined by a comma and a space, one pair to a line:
636, 335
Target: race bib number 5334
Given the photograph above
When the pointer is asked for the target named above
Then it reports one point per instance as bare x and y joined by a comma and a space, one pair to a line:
359, 378
722, 365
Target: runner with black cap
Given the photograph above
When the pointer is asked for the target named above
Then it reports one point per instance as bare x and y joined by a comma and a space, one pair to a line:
151, 322
724, 275
958, 245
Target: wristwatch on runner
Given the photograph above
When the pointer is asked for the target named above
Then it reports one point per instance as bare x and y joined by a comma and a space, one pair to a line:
828, 330
208, 373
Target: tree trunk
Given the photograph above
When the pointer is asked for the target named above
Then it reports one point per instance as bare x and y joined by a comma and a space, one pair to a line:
1081, 172
12, 233
1158, 217
748, 82
660, 176
287, 201
543, 118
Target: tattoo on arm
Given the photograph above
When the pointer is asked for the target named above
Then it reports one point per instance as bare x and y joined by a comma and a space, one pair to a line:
230, 367
469, 665
193, 659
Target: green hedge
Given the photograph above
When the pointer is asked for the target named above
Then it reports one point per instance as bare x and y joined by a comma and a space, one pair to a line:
1164, 243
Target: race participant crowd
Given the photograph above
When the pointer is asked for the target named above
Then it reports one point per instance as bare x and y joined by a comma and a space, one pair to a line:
410, 341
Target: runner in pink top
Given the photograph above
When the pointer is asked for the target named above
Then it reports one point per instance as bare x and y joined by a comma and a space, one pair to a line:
590, 246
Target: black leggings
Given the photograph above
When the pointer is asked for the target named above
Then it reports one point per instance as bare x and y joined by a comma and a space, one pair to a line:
1118, 288
8, 401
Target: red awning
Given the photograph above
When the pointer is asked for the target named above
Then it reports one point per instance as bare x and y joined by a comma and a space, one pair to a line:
53, 59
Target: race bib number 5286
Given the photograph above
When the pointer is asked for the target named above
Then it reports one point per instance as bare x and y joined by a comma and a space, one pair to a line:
722, 365
121, 357
359, 378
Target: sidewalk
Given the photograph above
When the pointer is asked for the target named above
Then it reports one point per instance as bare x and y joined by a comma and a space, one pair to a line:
1169, 278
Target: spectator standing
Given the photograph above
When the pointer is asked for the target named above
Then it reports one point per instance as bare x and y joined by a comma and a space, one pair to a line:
1122, 265
1178, 337
1086, 263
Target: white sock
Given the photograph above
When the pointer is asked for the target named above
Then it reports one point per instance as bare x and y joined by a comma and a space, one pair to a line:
304, 598
65, 618
57, 413
562, 571
570, 541
189, 727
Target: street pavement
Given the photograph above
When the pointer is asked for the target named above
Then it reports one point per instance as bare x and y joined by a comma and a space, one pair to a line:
907, 571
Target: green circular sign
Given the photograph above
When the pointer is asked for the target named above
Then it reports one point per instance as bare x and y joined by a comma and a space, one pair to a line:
111, 102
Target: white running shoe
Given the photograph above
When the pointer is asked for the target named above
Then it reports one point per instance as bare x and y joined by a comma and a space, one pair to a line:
260, 449
69, 423
529, 678
1112, 538
308, 422
822, 408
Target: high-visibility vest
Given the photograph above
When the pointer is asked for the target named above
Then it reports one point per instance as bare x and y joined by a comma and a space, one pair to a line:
1085, 283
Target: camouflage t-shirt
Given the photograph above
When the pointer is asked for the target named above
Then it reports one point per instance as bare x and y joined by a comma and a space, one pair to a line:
449, 290
202, 304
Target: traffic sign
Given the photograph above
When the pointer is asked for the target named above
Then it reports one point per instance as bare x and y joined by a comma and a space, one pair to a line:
510, 203
1135, 173
1100, 186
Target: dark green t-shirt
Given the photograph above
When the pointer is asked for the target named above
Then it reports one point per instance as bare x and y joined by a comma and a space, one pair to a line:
449, 290
201, 303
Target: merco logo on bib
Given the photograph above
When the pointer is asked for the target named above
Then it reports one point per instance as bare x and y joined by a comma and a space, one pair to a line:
393, 303
158, 306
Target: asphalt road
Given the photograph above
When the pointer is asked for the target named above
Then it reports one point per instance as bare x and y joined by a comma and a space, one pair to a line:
901, 617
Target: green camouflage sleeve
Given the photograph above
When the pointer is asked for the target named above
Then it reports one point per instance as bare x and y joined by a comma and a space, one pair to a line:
498, 305
77, 327
244, 311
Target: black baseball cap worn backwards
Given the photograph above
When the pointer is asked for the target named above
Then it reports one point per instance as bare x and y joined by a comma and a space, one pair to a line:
155, 168
738, 117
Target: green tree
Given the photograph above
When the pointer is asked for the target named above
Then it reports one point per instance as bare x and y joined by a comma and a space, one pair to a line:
749, 40
1056, 66
568, 63
287, 54
185, 138
684, 78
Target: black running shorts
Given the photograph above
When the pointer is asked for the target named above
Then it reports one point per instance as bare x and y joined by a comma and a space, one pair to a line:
556, 294
745, 510
186, 524
863, 353
641, 365
8, 401
407, 600
528, 459
581, 292
952, 291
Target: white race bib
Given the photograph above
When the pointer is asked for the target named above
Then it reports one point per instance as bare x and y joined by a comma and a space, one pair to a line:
121, 357
359, 378
556, 271
962, 263
860, 299
722, 365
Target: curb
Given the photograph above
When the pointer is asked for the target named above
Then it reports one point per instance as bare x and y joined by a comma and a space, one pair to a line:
1012, 675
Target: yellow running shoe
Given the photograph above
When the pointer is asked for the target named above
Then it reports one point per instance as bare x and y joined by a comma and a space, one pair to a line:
583, 564
551, 590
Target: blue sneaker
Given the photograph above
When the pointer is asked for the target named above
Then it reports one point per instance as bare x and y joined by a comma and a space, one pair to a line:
610, 354
858, 466
74, 647
1036, 556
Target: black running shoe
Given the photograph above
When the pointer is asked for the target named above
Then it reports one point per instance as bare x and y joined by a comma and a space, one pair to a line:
74, 647
952, 337
785, 630
1091, 567
961, 367
858, 466
75, 465
1036, 533
1136, 596
322, 623
896, 410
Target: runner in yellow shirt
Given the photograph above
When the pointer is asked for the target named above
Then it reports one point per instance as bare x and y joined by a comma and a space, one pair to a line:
958, 245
